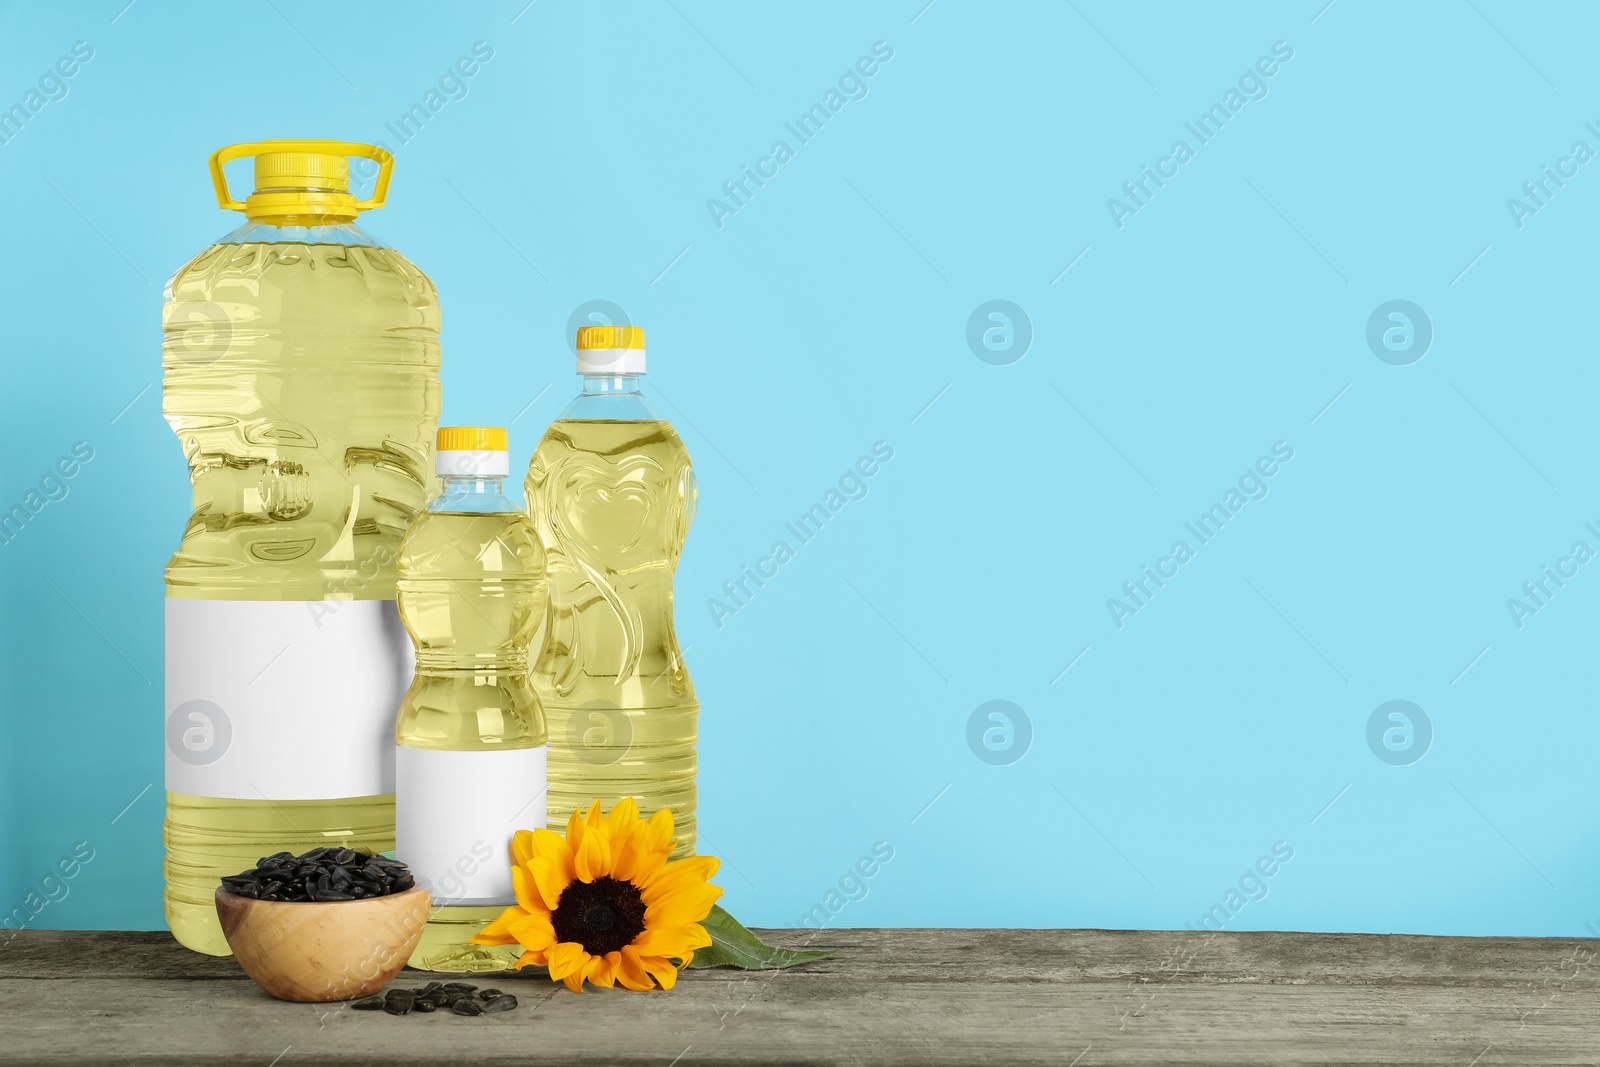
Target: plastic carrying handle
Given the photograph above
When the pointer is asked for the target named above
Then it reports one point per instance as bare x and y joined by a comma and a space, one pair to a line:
380, 190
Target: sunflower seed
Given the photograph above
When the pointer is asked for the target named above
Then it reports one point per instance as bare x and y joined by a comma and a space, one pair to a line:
321, 875
435, 997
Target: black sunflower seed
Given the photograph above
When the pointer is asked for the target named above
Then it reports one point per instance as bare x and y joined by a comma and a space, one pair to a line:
435, 997
321, 875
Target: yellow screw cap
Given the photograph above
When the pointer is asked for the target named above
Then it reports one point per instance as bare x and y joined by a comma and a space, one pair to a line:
471, 439
598, 337
301, 183
302, 170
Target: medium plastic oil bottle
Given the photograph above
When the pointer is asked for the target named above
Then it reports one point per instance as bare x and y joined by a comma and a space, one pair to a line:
612, 493
301, 376
470, 762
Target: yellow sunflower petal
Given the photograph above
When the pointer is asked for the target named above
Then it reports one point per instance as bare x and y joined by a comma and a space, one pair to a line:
631, 972
605, 970
595, 822
593, 858
674, 941
527, 891
530, 958
639, 855
549, 878
682, 908
658, 831
661, 969
687, 873
575, 829
623, 815
624, 826
499, 931
521, 847
565, 958
534, 931
551, 846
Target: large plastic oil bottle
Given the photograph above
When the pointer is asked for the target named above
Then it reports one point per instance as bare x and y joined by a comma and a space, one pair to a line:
470, 761
612, 493
301, 362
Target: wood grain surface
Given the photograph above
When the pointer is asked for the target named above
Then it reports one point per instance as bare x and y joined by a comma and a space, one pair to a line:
918, 997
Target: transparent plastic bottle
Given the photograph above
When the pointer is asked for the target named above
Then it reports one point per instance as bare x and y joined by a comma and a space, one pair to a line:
612, 493
470, 762
301, 376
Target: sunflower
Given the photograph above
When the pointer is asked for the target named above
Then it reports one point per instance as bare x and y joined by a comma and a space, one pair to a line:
604, 904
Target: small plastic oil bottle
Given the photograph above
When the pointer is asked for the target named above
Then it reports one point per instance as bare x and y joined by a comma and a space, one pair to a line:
470, 735
613, 494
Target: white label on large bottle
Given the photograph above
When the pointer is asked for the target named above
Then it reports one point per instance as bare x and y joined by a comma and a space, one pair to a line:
455, 814
283, 700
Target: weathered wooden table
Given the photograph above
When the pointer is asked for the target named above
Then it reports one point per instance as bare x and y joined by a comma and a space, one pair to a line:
1065, 997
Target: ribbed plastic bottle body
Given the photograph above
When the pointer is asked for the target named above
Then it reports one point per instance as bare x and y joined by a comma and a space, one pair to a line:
301, 376
470, 732
613, 499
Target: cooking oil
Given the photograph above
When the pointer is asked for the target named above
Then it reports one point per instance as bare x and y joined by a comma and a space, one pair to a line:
301, 377
470, 766
612, 493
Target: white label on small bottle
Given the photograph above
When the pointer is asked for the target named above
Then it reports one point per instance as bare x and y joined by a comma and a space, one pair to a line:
455, 814
283, 699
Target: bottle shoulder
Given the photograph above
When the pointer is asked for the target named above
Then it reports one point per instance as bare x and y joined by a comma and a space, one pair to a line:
444, 544
610, 440
270, 255
610, 407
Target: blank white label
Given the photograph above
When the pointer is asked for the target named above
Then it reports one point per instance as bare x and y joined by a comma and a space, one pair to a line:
283, 699
455, 814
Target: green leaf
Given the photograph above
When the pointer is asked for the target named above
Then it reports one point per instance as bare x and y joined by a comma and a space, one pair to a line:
734, 946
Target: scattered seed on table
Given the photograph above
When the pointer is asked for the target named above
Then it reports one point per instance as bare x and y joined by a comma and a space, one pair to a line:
462, 998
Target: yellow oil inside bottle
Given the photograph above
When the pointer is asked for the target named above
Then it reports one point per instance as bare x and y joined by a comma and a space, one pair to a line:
301, 379
471, 594
613, 501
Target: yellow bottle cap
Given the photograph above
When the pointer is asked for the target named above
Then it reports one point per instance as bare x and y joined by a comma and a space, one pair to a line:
301, 183
610, 350
598, 337
471, 439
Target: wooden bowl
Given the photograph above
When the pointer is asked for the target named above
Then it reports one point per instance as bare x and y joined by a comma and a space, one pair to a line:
314, 953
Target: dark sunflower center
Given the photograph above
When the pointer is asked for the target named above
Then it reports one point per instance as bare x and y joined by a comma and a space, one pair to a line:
602, 915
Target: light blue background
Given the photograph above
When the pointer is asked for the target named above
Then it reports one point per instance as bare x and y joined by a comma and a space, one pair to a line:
827, 315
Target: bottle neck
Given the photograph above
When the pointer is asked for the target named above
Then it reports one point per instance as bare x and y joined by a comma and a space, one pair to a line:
464, 485
611, 398
471, 493
607, 384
